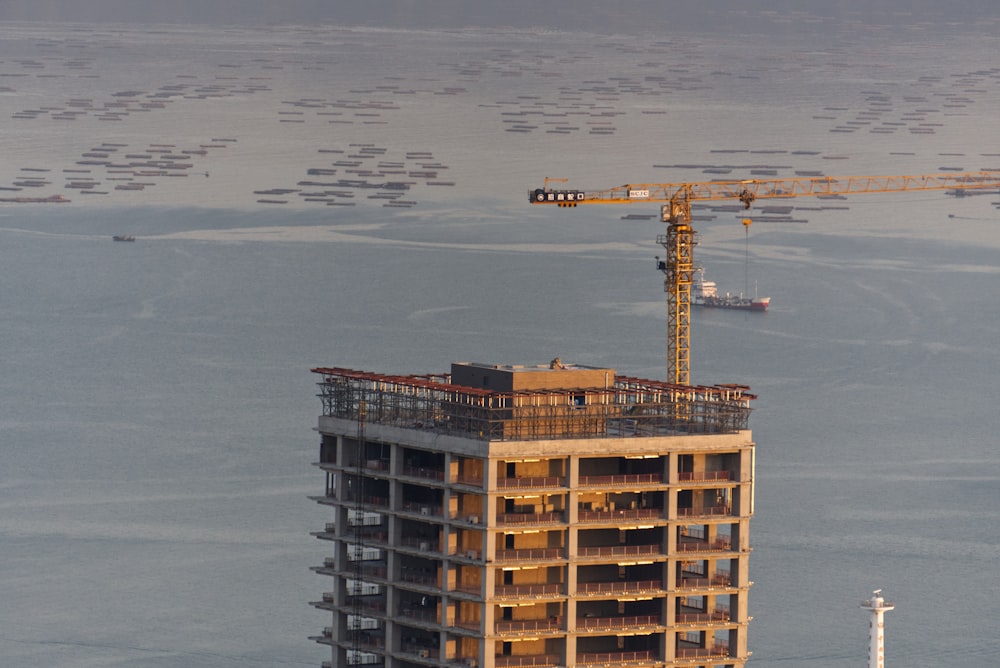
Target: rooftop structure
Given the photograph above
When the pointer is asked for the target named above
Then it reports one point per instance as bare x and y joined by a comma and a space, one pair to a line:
553, 515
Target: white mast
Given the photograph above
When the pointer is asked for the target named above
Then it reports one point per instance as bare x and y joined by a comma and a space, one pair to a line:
876, 631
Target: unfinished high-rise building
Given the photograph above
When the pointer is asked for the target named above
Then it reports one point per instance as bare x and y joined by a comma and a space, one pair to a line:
534, 516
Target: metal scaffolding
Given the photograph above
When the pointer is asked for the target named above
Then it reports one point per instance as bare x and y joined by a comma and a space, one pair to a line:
628, 407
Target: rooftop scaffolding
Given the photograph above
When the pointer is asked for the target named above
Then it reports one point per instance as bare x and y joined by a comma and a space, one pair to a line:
626, 407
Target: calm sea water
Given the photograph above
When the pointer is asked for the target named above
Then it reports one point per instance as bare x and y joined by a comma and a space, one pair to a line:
158, 406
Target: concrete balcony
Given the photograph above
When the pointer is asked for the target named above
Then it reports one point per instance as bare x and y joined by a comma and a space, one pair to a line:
326, 638
329, 567
326, 604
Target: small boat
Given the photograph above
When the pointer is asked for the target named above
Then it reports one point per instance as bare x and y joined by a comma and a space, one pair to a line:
705, 293
123, 237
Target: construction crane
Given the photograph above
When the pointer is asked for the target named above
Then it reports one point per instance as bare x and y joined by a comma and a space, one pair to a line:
679, 240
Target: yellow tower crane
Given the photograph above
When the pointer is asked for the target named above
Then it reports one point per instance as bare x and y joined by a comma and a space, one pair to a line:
679, 240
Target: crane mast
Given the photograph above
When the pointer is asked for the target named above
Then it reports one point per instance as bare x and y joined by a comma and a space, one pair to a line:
678, 269
679, 240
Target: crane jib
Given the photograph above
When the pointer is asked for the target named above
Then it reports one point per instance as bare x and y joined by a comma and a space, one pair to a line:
752, 189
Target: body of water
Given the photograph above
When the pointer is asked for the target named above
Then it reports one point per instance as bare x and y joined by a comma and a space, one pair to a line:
157, 429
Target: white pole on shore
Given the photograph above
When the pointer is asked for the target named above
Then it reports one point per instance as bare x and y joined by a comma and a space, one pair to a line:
876, 631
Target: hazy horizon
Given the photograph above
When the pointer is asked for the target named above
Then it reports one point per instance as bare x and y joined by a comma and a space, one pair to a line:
588, 15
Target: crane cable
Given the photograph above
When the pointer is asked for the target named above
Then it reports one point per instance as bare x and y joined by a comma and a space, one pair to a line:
746, 258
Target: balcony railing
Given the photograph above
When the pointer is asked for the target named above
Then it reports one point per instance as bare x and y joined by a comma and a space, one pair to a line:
536, 554
621, 587
474, 589
373, 571
376, 644
705, 511
421, 614
422, 509
720, 614
608, 658
617, 623
327, 603
530, 482
718, 649
367, 605
418, 577
424, 544
596, 516
421, 652
621, 480
686, 544
380, 538
704, 476
520, 519
425, 473
469, 481
526, 590
705, 583
620, 550
528, 661
467, 624
377, 501
529, 625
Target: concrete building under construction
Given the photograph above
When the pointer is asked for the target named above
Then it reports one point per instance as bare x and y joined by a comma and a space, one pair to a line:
534, 516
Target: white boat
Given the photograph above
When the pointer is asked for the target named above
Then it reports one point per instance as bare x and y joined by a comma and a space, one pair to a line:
706, 293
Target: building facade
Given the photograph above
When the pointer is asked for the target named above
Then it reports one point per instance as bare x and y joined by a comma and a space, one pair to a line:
505, 516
